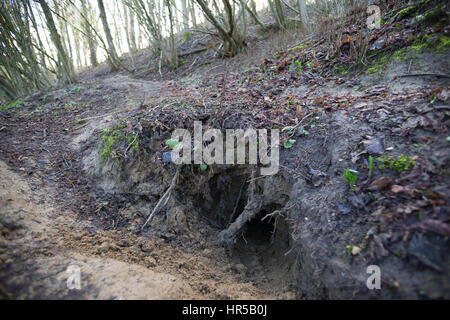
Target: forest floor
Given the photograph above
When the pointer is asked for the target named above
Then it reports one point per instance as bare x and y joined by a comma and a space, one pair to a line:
67, 197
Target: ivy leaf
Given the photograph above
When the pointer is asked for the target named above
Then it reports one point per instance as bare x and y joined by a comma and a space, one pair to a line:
288, 144
203, 167
303, 132
172, 143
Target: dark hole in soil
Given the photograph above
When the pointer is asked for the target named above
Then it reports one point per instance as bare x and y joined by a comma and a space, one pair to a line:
227, 195
257, 232
262, 252
259, 251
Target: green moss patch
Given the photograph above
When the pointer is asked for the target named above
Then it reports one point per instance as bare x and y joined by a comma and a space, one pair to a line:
299, 47
380, 62
405, 12
399, 164
14, 104
115, 139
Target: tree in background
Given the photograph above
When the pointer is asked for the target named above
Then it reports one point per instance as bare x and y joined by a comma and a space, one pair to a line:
88, 32
231, 37
301, 4
149, 14
277, 11
113, 58
21, 71
42, 41
65, 71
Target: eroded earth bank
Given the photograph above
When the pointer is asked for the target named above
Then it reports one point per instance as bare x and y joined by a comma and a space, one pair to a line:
363, 180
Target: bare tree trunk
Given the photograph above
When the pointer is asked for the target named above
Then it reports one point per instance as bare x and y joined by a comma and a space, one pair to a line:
33, 21
69, 45
131, 31
230, 35
303, 12
127, 29
185, 13
192, 10
76, 41
117, 35
252, 8
67, 74
171, 55
87, 29
277, 11
113, 58
139, 42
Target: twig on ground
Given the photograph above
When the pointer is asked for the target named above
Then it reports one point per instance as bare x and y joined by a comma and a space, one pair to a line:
299, 123
132, 142
438, 75
193, 52
165, 195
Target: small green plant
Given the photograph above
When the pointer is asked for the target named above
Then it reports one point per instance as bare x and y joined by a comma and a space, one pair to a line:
299, 65
350, 176
340, 70
172, 143
203, 167
400, 54
304, 133
444, 44
77, 89
433, 98
370, 166
349, 249
400, 164
289, 143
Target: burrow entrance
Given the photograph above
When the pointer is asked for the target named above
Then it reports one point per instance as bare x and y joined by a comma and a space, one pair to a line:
261, 248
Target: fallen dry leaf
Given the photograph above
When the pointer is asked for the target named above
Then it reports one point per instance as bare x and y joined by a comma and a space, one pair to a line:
380, 184
401, 189
356, 250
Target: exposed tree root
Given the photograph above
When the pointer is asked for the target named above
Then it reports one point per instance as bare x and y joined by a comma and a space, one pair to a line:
253, 207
